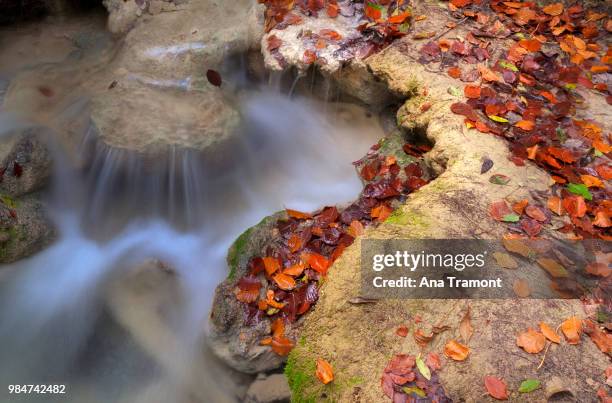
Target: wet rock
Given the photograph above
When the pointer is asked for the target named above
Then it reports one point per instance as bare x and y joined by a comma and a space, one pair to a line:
231, 338
150, 303
149, 94
24, 227
26, 168
269, 389
122, 14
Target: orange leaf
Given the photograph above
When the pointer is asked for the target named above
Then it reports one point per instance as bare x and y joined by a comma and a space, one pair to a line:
598, 269
295, 243
531, 341
526, 125
536, 213
309, 57
532, 152
355, 229
272, 302
454, 72
553, 9
281, 345
521, 288
496, 387
271, 264
284, 282
602, 219
295, 270
381, 212
598, 69
591, 181
554, 204
372, 12
298, 214
572, 329
549, 333
324, 371
456, 351
317, 262
402, 331
332, 10
400, 18
531, 45
575, 206
488, 74
472, 91
519, 207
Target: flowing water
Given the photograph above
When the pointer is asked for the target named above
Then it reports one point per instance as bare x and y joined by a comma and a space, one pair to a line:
117, 306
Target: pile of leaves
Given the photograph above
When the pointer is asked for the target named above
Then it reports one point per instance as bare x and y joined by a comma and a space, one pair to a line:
403, 382
282, 284
528, 96
379, 22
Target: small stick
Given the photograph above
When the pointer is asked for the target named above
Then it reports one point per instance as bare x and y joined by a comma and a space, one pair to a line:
450, 29
548, 343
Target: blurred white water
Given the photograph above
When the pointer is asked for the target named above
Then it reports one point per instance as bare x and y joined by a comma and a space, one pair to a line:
55, 306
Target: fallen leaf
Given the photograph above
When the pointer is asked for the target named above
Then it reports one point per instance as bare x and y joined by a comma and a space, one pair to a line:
423, 369
433, 361
531, 341
521, 288
472, 91
529, 385
554, 204
465, 327
554, 268
496, 387
536, 213
324, 371
284, 282
402, 331
549, 333
456, 351
214, 78
298, 214
553, 9
487, 164
499, 179
505, 260
572, 329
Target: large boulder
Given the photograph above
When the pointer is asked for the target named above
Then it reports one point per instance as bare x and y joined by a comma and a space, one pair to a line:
149, 93
24, 227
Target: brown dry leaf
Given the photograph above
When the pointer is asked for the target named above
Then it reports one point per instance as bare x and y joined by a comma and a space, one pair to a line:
456, 351
505, 260
324, 371
572, 329
421, 338
521, 288
549, 333
355, 229
554, 268
555, 205
553, 9
531, 341
465, 326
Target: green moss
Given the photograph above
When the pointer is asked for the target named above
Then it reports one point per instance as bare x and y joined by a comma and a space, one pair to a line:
236, 250
300, 376
8, 201
400, 217
5, 247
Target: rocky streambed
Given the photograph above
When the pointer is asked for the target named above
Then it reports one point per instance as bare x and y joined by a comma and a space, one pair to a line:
134, 106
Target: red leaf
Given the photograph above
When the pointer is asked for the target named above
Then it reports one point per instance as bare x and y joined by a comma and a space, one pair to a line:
214, 78
496, 387
499, 209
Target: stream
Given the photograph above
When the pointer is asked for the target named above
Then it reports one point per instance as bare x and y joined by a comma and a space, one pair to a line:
116, 308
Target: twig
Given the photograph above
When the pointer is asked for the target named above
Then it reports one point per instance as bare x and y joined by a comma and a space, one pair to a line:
450, 29
548, 343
